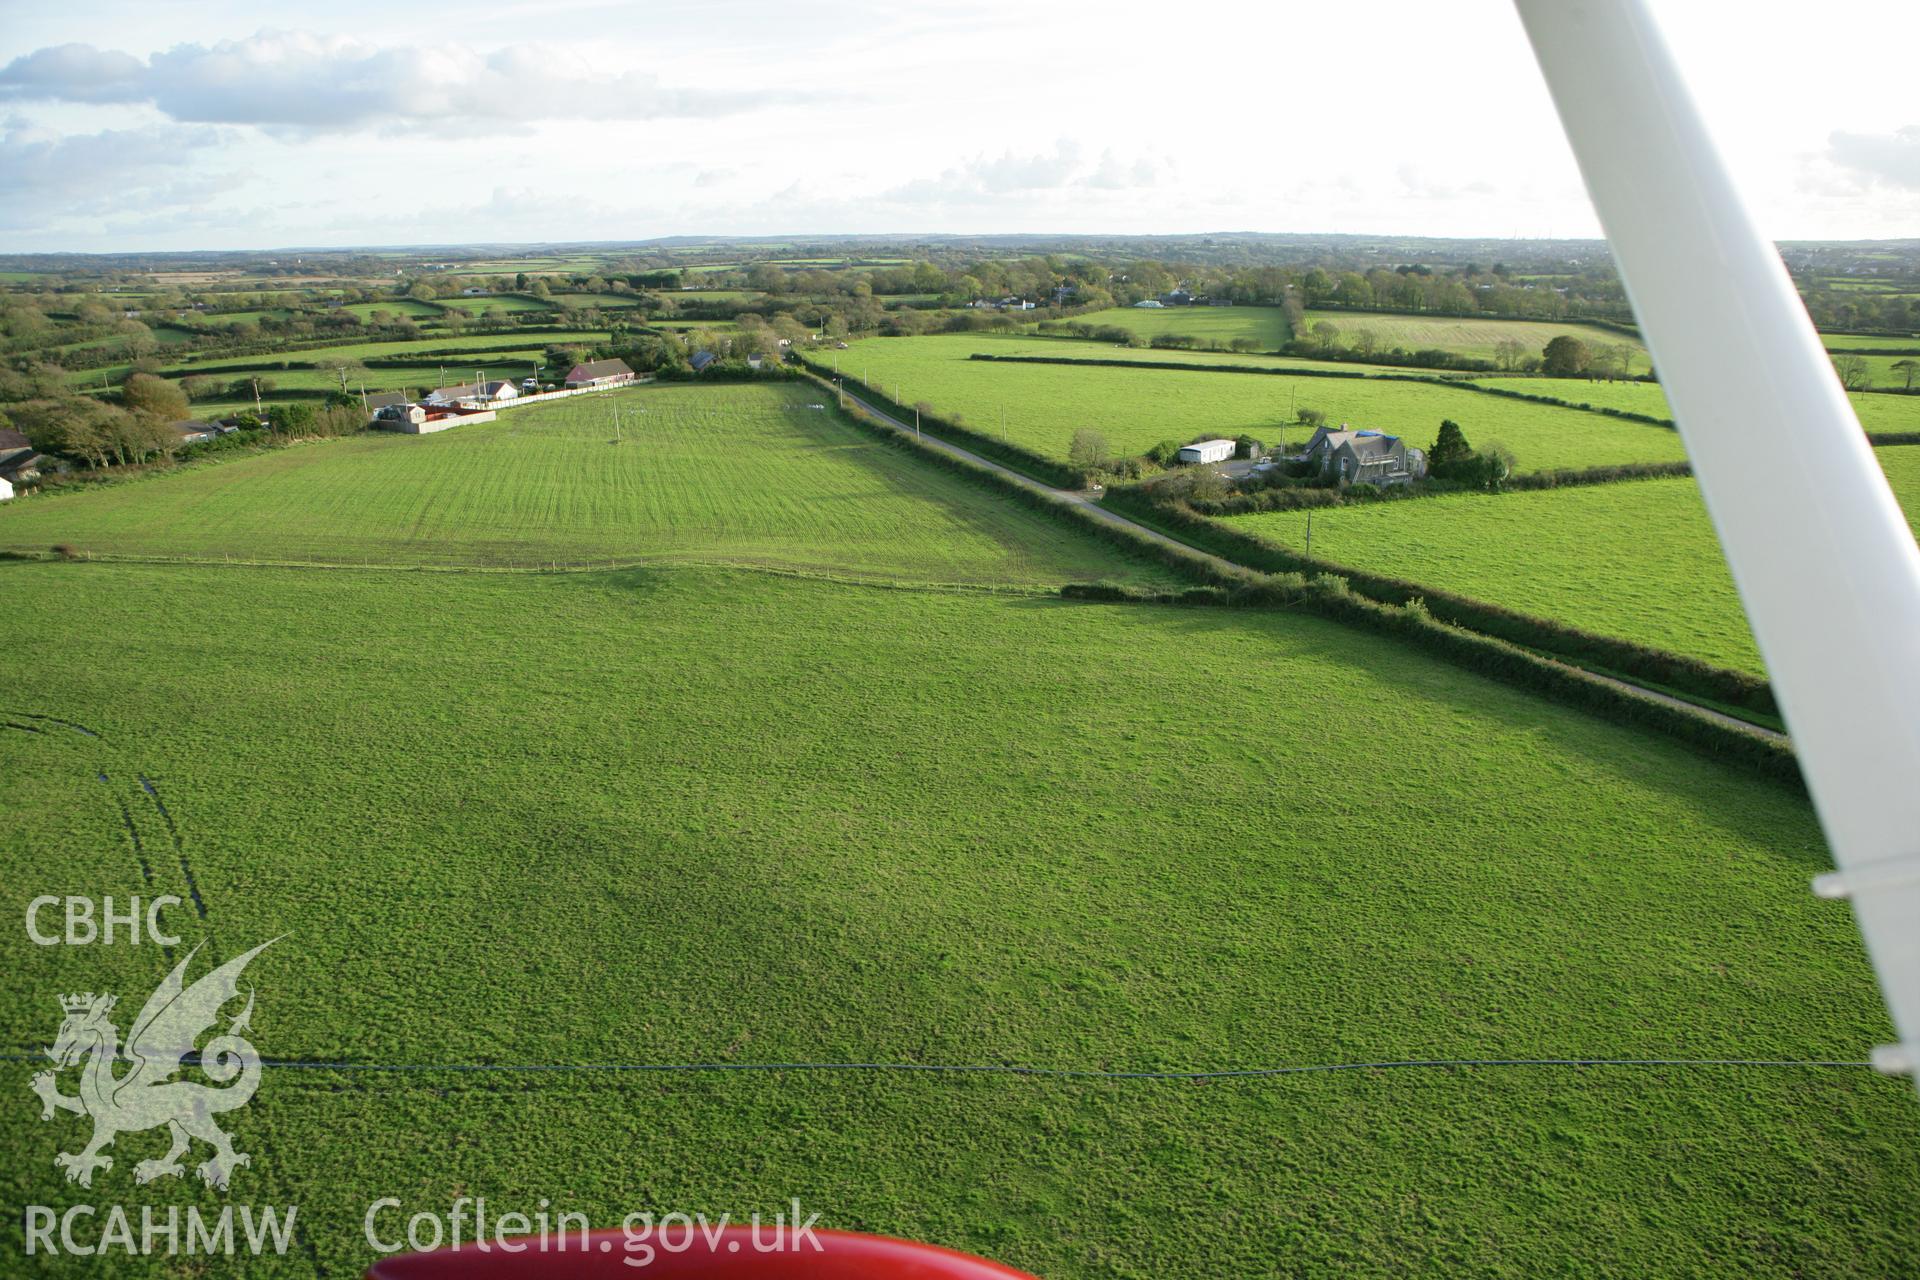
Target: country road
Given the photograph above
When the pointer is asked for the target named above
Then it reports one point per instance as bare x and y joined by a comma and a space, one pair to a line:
1068, 497
1080, 499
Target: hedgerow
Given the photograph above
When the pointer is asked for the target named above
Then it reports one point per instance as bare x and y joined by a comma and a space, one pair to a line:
1333, 596
1641, 662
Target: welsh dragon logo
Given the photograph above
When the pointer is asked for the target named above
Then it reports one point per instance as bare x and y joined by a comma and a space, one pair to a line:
146, 1095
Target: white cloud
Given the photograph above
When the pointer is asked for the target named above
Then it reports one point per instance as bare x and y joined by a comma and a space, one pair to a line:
89, 174
983, 178
298, 82
408, 116
1892, 158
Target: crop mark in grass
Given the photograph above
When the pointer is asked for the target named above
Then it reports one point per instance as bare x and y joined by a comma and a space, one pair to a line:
65, 724
147, 788
139, 846
179, 847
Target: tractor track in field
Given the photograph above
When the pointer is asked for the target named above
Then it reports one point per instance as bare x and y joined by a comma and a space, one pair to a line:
147, 790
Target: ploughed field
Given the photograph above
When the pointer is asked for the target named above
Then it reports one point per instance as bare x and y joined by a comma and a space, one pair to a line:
1041, 406
686, 815
750, 475
1638, 559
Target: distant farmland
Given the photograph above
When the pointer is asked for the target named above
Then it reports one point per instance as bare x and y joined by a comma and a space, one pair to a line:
1879, 414
1637, 559
1137, 408
1264, 326
741, 475
1476, 336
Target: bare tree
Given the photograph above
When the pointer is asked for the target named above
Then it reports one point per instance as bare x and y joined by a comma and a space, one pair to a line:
1853, 371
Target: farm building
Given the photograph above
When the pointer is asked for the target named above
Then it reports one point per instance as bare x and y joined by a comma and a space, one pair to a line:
187, 431
414, 420
700, 360
19, 464
399, 417
379, 400
599, 373
1206, 451
1151, 304
1365, 457
473, 393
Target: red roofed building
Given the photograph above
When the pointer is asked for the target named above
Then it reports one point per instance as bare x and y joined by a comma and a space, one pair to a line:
599, 373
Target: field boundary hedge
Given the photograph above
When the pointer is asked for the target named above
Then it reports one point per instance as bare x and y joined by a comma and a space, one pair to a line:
1343, 595
1330, 596
1465, 384
270, 363
1635, 661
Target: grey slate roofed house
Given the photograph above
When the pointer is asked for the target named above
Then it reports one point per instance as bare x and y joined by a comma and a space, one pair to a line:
378, 400
19, 463
189, 431
700, 360
1366, 457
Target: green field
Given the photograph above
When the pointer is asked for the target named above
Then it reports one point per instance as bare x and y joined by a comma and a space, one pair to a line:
686, 815
396, 307
718, 295
1879, 414
745, 475
1264, 325
522, 359
1871, 342
426, 348
1056, 348
1475, 336
505, 303
1137, 408
604, 301
1637, 560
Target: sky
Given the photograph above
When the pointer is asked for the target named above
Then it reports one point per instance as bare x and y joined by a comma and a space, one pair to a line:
216, 125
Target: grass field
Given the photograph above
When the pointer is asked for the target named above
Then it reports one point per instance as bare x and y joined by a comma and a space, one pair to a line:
1879, 414
1137, 408
509, 303
1637, 560
1264, 325
1026, 344
687, 815
396, 307
1476, 336
604, 301
745, 475
1870, 342
424, 348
